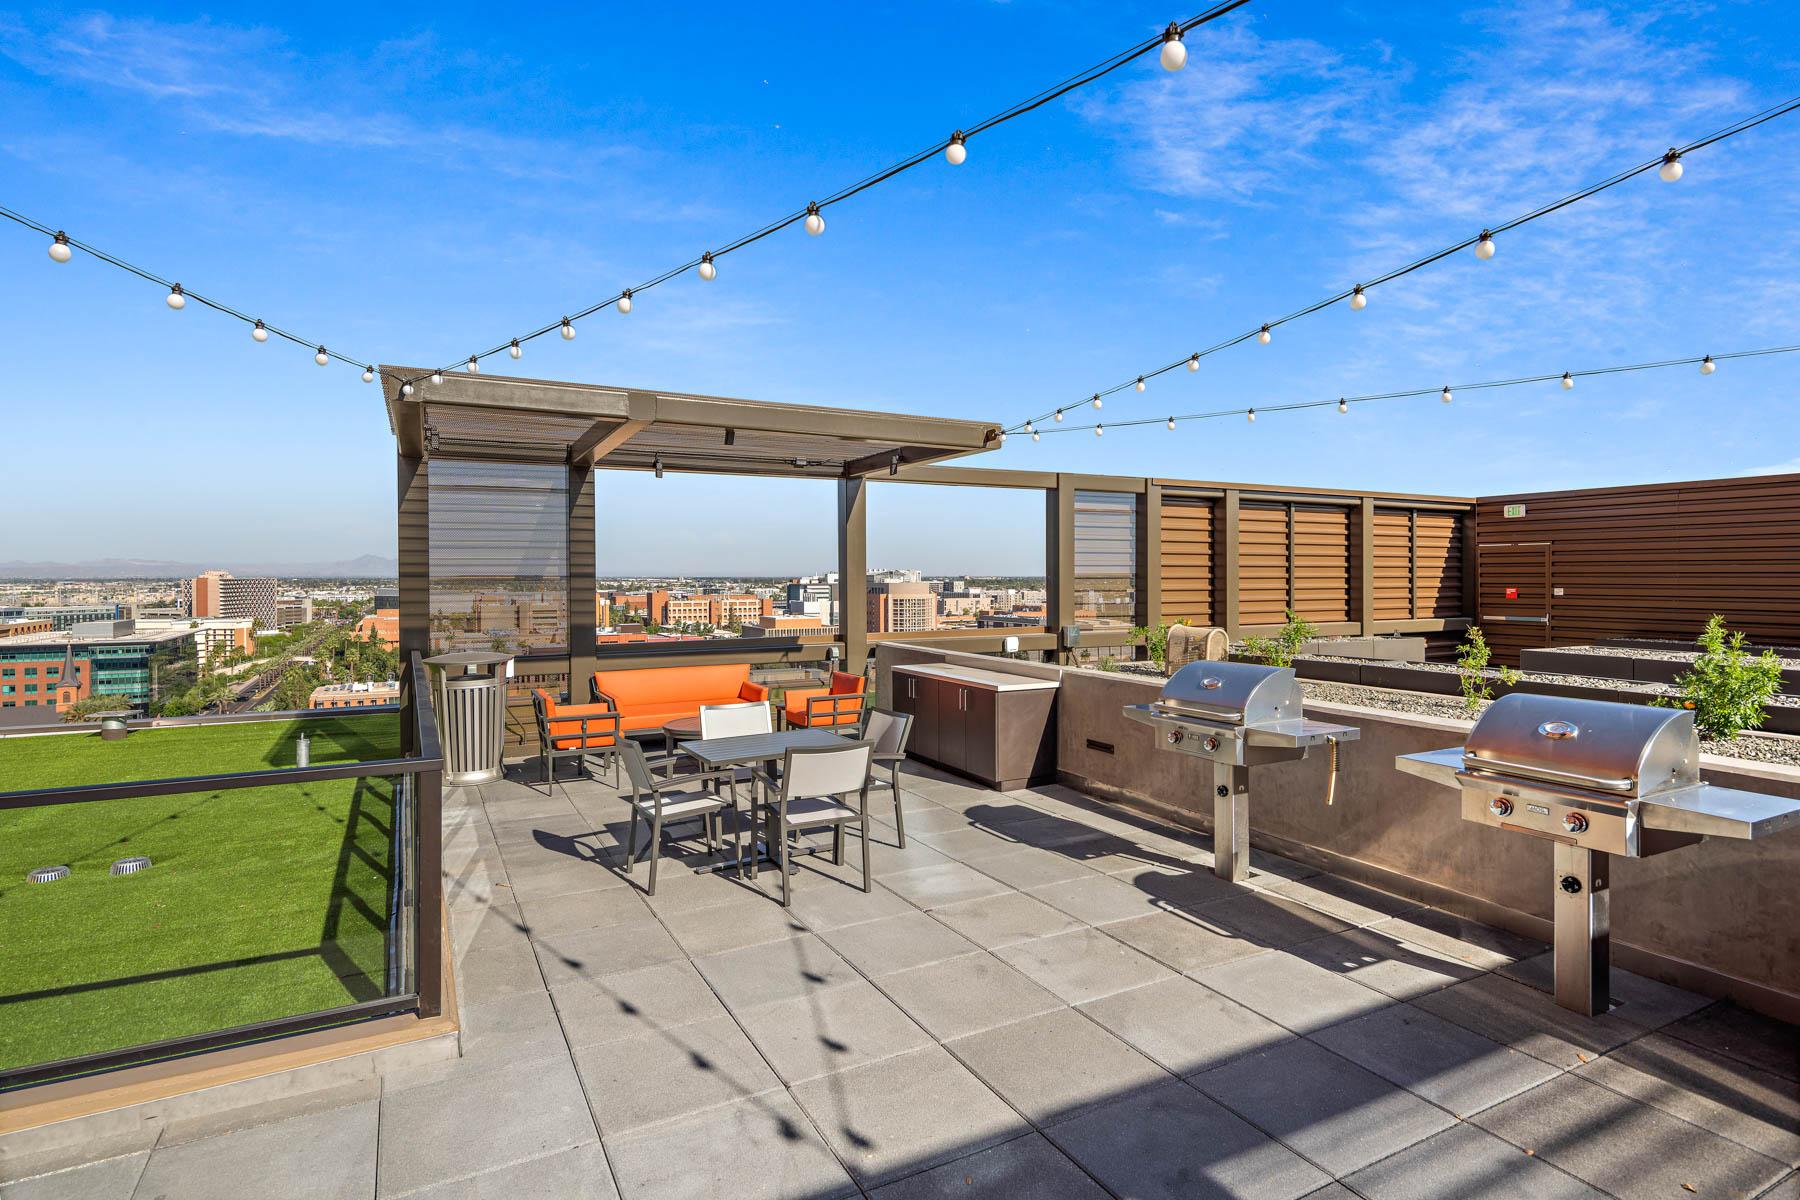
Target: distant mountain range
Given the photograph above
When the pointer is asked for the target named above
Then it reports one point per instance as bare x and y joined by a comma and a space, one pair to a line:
364, 566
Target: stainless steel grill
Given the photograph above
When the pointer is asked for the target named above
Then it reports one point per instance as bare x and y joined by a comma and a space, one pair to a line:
1237, 716
1597, 779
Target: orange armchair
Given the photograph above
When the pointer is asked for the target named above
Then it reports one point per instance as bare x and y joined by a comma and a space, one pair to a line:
839, 704
573, 731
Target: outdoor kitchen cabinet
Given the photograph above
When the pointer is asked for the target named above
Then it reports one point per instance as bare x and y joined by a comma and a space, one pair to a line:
990, 726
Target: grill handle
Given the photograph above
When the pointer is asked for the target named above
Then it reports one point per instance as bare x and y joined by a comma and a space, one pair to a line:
1331, 744
1550, 774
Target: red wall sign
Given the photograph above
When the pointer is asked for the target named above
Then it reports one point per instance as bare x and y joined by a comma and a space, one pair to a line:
1512, 593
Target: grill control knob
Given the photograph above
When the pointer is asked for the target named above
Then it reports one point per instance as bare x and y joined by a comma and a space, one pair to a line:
1571, 885
1174, 737
1575, 823
1211, 743
1500, 806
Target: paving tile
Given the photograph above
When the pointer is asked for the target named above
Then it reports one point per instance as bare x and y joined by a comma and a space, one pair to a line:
897, 943
946, 883
1183, 1026
1481, 946
1347, 901
1057, 1065
469, 1124
964, 995
500, 1033
578, 1174
1182, 941
1331, 1191
934, 819
833, 903
499, 960
1641, 1001
1452, 1067
107, 1179
1628, 1149
322, 1154
1190, 889
703, 931
1469, 1164
665, 996
1272, 920
1397, 968
995, 921
1083, 965
1096, 899
1290, 991
596, 953
1527, 1020
1753, 1108
1024, 1167
762, 1148
974, 844
845, 1027
1324, 1107
756, 975
887, 860
547, 916
1172, 1143
668, 1073
1031, 867
1745, 1036
1052, 832
906, 1114
996, 813
1787, 1189
562, 878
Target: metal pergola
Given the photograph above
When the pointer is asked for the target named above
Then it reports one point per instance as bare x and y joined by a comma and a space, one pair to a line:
585, 428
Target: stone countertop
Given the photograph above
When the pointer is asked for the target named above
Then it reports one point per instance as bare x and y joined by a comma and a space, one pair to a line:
993, 681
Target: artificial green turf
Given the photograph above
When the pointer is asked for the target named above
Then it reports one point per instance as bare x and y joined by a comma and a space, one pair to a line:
260, 903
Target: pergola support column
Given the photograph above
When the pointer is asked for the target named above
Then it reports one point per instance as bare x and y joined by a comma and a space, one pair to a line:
414, 556
581, 606
853, 572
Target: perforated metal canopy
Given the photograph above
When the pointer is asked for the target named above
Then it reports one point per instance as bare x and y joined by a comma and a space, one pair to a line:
534, 420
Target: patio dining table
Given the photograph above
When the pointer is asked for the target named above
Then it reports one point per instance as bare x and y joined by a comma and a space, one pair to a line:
749, 750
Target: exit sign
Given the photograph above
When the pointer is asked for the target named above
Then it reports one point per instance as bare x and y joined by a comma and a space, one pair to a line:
1513, 510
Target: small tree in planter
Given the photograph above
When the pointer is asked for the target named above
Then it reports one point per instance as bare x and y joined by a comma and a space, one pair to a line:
1727, 687
1156, 643
1279, 650
1471, 670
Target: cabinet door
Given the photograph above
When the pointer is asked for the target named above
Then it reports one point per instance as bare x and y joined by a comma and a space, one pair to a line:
915, 697
978, 732
951, 698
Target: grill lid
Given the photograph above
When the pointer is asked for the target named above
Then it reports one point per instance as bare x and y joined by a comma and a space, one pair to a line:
1627, 750
1232, 692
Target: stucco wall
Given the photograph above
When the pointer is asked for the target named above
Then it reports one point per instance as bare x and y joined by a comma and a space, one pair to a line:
1722, 916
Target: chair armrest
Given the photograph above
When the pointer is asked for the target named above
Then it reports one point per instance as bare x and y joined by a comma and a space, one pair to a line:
601, 697
793, 694
677, 781
753, 692
833, 704
765, 775
886, 759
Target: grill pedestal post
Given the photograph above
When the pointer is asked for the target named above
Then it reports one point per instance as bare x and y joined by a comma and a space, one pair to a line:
1231, 822
1583, 929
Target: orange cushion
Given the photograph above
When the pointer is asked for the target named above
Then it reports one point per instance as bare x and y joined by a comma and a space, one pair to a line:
647, 687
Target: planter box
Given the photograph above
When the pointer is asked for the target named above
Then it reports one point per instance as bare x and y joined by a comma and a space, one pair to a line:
1389, 649
1411, 679
1334, 670
1576, 661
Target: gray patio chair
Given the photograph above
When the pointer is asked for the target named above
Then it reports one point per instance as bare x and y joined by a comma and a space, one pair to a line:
661, 799
812, 793
887, 731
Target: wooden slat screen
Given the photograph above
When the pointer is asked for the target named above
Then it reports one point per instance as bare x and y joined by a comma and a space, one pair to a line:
1438, 563
1655, 561
1262, 563
1321, 562
1187, 560
1393, 564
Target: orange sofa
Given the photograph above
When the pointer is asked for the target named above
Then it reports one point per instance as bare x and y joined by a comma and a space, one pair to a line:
651, 697
839, 704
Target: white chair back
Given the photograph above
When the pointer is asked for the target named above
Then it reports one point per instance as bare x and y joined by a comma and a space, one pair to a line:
832, 771
887, 730
735, 720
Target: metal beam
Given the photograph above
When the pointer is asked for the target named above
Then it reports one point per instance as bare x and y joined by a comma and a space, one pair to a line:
414, 521
580, 605
974, 477
1149, 557
1059, 558
1225, 537
603, 439
853, 572
1364, 530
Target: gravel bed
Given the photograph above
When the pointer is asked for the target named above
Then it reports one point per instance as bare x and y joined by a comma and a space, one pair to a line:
1673, 654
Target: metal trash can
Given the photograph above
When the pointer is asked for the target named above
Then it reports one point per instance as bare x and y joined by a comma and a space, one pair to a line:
471, 713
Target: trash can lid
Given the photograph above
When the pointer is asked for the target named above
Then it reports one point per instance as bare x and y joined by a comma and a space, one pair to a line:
468, 658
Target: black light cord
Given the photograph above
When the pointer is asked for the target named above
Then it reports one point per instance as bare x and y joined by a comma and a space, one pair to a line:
1413, 393
1732, 130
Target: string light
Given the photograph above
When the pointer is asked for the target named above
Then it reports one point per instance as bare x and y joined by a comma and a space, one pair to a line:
177, 298
815, 220
1484, 249
1036, 436
1671, 166
1174, 50
957, 152
1193, 362
1171, 424
1096, 401
1059, 414
322, 357
1358, 301
59, 248
368, 375
1140, 387
1099, 430
406, 389
1707, 364
1265, 336
437, 377
706, 271
1028, 428
568, 330
260, 332
474, 366
516, 350
625, 301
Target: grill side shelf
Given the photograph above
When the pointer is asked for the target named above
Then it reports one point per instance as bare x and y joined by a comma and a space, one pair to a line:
1720, 812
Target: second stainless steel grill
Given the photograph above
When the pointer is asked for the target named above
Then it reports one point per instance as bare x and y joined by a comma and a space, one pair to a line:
1597, 779
1237, 716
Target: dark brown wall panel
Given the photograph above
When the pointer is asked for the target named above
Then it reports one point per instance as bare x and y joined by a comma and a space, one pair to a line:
1187, 560
1263, 563
1322, 563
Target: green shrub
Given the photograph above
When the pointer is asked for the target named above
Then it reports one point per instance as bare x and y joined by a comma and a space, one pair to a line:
1279, 650
1726, 688
1471, 670
1156, 642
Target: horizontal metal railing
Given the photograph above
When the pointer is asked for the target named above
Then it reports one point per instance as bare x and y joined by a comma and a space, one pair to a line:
415, 885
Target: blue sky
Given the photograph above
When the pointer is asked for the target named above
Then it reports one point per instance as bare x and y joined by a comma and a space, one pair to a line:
409, 184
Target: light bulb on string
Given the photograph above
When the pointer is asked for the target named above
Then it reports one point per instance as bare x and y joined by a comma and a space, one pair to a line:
1343, 405
625, 301
260, 332
1251, 416
1099, 431
60, 250
1029, 428
177, 299
516, 350
368, 375
437, 377
1174, 50
1036, 436
1358, 301
321, 356
406, 389
1193, 362
1097, 402
1171, 424
1568, 381
1140, 383
1265, 336
474, 366
706, 269
815, 220
1708, 366
1671, 166
1059, 414
568, 330
1444, 396
1484, 249
957, 151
